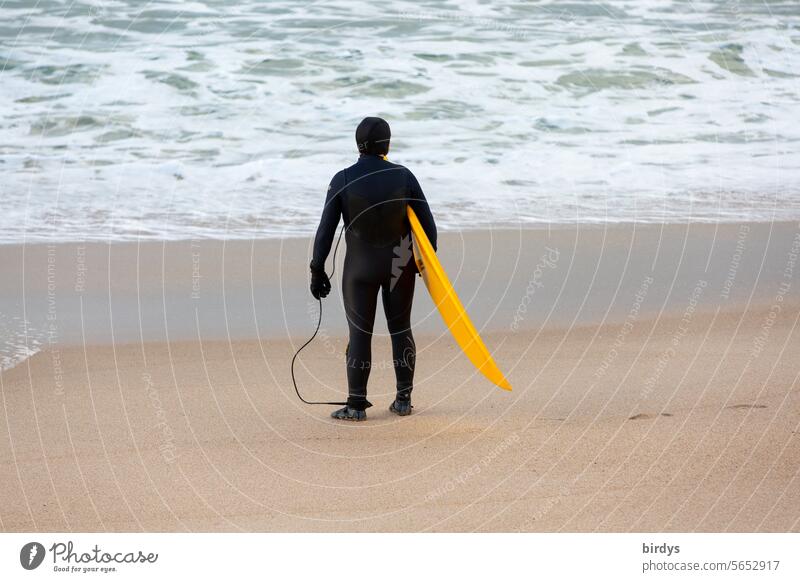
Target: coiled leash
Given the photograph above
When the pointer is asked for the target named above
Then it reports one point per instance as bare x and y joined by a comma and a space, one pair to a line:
316, 331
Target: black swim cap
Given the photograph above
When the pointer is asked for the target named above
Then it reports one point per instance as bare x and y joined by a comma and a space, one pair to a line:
373, 135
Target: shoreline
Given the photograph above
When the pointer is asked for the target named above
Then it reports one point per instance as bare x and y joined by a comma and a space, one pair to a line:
583, 223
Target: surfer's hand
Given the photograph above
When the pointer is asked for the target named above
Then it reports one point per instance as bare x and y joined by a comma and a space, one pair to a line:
415, 268
320, 284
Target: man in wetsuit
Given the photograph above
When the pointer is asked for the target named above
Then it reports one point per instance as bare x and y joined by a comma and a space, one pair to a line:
371, 196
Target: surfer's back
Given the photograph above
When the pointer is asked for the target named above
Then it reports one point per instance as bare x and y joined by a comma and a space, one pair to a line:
375, 195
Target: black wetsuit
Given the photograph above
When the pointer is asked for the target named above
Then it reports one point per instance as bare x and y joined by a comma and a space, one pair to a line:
372, 196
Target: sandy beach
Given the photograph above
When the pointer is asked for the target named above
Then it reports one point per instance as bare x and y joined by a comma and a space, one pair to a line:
655, 372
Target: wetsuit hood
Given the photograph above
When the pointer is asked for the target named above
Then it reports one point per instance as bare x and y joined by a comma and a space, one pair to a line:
372, 136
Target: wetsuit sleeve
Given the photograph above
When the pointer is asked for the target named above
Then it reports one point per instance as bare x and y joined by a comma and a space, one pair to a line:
419, 204
329, 221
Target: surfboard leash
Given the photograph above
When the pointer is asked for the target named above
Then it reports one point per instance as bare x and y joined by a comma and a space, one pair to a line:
316, 331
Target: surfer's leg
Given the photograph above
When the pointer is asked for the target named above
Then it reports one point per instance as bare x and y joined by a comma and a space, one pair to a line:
398, 296
360, 301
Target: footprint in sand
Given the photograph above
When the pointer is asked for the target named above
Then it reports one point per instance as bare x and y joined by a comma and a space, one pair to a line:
745, 406
645, 416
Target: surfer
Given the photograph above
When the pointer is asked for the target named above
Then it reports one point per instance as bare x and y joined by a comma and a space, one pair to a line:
372, 196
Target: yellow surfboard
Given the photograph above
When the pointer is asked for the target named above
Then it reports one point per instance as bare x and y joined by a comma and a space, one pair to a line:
450, 307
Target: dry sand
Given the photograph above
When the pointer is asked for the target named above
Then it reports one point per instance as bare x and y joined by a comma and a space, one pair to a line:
676, 411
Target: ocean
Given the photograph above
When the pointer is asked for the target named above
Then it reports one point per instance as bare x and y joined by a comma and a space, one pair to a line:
128, 120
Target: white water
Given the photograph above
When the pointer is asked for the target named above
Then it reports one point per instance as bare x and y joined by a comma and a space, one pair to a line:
125, 119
